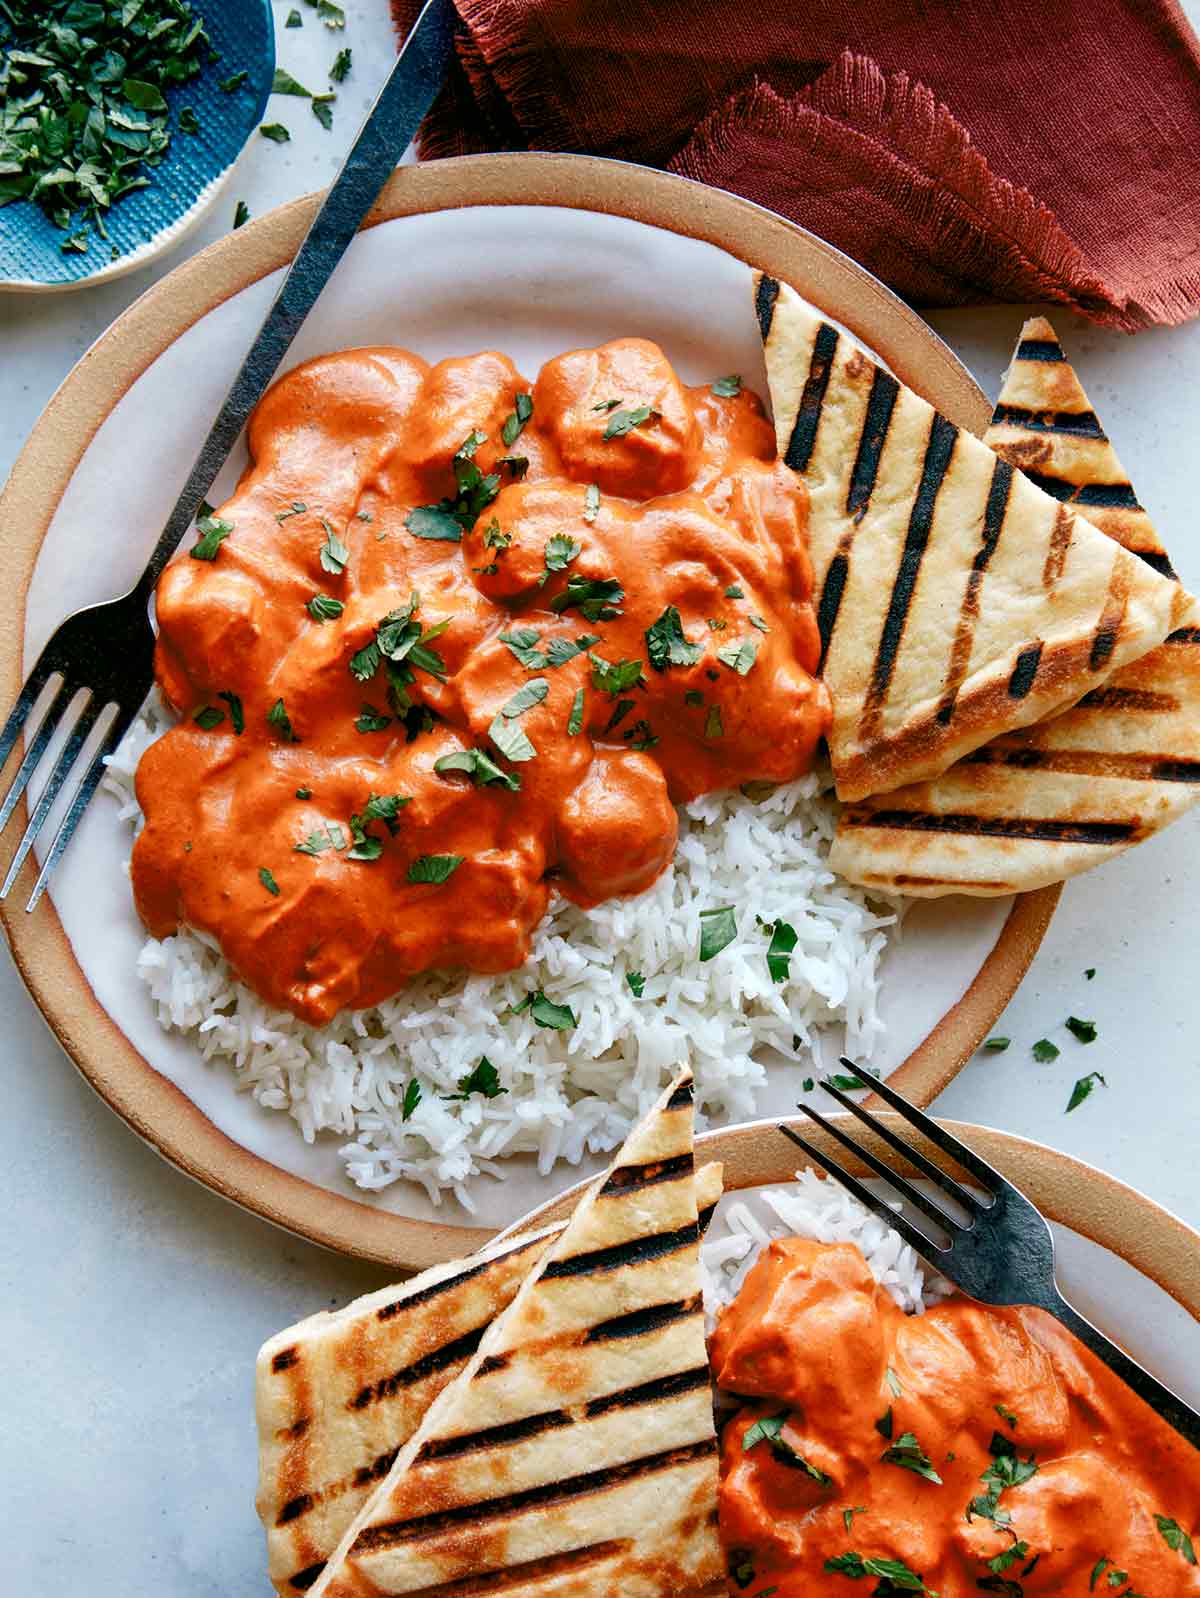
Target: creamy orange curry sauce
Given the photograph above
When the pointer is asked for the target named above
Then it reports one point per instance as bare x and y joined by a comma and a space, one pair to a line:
455, 638
967, 1450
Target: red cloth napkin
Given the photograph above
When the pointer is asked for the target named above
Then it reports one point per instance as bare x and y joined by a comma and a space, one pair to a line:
963, 150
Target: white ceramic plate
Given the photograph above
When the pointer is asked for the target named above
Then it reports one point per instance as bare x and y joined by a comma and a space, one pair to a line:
532, 281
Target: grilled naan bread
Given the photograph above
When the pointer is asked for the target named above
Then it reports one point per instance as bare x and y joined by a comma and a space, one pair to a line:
340, 1393
1037, 806
956, 599
575, 1454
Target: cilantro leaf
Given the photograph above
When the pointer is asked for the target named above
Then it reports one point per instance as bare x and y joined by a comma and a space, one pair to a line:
480, 766
1085, 1031
483, 1079
996, 1045
615, 679
779, 953
666, 644
575, 719
435, 868
909, 1455
275, 131
412, 1097
718, 928
1176, 1538
1044, 1051
545, 1013
727, 387
1083, 1089
561, 550
622, 422
213, 533
636, 983
237, 715
515, 421
371, 720
321, 607
739, 657
434, 522
277, 717
340, 69
284, 83
598, 598
268, 881
208, 717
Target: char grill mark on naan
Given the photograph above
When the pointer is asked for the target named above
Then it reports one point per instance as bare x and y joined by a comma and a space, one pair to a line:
578, 1442
340, 1394
1038, 805
955, 602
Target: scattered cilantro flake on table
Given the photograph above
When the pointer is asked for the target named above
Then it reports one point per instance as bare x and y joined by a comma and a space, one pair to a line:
1083, 1089
189, 122
996, 1045
807, 1085
1085, 1031
294, 19
275, 131
322, 109
340, 69
241, 214
330, 14
1044, 1051
284, 83
233, 83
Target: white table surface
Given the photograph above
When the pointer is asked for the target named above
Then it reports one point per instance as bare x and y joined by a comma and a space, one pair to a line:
132, 1301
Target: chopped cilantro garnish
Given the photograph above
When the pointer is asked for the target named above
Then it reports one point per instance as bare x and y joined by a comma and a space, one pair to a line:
757, 621
575, 719
561, 550
296, 508
769, 1430
1044, 1051
321, 607
318, 841
718, 928
636, 983
371, 719
431, 521
739, 657
213, 533
284, 83
294, 19
734, 592
1176, 1538
523, 642
907, 1452
241, 215
1090, 972
666, 644
996, 1045
806, 1087
189, 122
714, 727
1083, 1089
435, 868
558, 1017
779, 952
340, 70
275, 131
1085, 1031
516, 419
412, 1097
479, 766
483, 1079
615, 679
894, 1574
1007, 1415
641, 736
208, 717
385, 807
236, 714
1004, 1561
598, 598
622, 422
303, 793
334, 553
607, 405
893, 1382
727, 387
277, 717
620, 710
849, 1514
233, 83
320, 106
268, 881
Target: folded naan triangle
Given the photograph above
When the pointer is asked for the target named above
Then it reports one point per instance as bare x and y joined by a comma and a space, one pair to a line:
575, 1453
340, 1393
1036, 806
956, 600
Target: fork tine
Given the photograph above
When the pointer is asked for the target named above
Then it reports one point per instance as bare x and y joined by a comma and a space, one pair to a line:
937, 1135
19, 714
46, 728
899, 1223
68, 755
91, 781
907, 1151
905, 1188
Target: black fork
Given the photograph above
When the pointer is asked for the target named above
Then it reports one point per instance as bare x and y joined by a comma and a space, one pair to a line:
1001, 1253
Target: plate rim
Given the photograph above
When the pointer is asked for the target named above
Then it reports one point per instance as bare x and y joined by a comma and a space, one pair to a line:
152, 1106
1137, 1229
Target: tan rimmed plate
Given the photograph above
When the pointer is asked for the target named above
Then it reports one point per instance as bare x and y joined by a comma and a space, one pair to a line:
530, 253
1129, 1265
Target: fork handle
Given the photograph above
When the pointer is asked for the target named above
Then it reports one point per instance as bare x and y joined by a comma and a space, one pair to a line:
1162, 1400
404, 99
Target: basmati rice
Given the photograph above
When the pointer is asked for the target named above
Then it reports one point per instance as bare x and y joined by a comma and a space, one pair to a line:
579, 1091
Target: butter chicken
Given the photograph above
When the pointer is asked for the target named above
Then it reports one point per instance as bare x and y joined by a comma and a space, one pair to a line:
963, 1451
457, 638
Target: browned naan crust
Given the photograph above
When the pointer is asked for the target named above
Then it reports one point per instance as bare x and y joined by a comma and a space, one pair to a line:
576, 1450
957, 601
1036, 806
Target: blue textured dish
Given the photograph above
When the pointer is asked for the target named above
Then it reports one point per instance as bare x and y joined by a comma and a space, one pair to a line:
148, 220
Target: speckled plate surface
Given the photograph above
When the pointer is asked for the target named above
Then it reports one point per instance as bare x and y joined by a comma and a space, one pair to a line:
531, 254
197, 165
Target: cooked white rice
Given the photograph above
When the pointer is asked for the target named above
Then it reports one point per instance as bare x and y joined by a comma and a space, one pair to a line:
574, 1092
819, 1208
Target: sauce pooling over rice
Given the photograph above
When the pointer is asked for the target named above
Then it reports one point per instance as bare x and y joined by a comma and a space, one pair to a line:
963, 1451
454, 638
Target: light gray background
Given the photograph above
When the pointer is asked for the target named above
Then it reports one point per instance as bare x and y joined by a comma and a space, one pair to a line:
132, 1301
